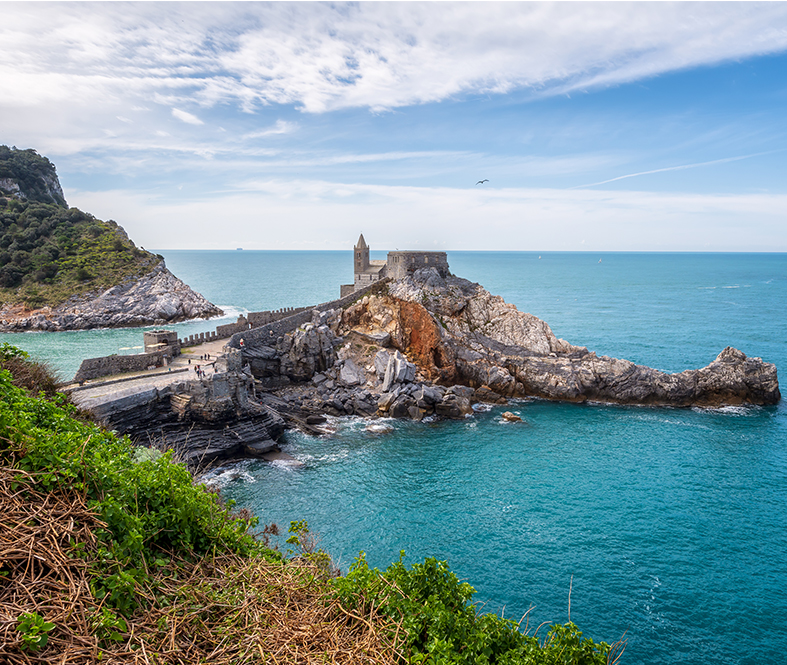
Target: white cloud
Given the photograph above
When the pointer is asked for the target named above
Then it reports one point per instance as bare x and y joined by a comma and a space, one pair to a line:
280, 127
186, 117
323, 215
376, 55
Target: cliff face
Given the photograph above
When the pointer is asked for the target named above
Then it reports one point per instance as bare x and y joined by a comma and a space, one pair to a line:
458, 333
202, 419
156, 298
27, 175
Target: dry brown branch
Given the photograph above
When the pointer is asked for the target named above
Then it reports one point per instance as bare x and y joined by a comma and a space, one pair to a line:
221, 609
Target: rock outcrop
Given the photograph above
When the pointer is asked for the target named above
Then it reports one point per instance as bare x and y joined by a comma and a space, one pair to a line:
203, 420
156, 298
458, 333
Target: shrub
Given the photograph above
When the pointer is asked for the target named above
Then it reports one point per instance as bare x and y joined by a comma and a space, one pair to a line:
439, 625
148, 507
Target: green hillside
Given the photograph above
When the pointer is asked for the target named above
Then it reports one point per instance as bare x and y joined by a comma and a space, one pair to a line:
48, 251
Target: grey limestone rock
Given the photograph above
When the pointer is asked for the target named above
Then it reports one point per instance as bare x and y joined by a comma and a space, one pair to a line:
304, 352
397, 370
202, 420
156, 298
351, 374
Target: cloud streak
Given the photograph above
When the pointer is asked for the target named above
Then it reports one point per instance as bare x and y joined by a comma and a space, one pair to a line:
681, 167
185, 116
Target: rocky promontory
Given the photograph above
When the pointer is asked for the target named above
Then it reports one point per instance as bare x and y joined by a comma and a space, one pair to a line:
155, 298
427, 345
424, 346
63, 269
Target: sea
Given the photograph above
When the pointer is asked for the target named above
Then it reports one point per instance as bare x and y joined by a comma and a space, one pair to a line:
663, 527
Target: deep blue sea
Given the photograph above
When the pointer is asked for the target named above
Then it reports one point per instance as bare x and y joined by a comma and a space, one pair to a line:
672, 523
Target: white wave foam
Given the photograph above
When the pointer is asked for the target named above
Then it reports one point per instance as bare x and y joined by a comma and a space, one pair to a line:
379, 428
748, 410
288, 464
223, 476
231, 312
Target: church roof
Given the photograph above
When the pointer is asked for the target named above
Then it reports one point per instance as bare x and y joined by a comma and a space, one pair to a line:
361, 242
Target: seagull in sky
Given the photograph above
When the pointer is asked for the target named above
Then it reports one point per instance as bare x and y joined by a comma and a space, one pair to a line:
481, 182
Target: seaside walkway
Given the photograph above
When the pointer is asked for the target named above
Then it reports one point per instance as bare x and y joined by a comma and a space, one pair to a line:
129, 383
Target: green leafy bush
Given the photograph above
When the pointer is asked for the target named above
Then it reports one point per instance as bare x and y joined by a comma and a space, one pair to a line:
34, 631
149, 507
441, 626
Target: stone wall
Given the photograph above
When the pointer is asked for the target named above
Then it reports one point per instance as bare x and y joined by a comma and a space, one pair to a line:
263, 335
93, 368
230, 329
161, 340
262, 318
244, 323
401, 264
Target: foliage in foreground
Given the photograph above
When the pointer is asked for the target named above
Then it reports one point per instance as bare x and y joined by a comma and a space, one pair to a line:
439, 625
148, 508
109, 558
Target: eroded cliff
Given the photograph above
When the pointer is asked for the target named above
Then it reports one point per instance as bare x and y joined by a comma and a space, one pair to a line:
458, 333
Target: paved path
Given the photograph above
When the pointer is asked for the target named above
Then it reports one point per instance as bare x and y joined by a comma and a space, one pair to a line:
129, 383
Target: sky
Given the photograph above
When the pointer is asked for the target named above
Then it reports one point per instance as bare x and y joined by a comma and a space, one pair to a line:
596, 126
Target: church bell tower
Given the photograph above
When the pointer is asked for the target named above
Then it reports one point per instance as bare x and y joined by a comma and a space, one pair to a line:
361, 252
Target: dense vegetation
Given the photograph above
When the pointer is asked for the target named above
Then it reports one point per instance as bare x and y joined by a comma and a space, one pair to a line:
112, 553
33, 174
49, 252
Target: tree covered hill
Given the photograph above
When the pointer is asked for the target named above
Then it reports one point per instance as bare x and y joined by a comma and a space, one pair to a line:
48, 251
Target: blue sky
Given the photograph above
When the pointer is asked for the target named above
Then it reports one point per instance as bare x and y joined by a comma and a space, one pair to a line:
600, 126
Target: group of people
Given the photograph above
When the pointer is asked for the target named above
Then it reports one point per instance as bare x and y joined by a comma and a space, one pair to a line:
198, 368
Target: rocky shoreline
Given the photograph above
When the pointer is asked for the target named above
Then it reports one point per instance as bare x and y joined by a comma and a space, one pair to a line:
420, 347
396, 350
156, 298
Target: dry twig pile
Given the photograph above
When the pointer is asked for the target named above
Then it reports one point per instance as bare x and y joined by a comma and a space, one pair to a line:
221, 609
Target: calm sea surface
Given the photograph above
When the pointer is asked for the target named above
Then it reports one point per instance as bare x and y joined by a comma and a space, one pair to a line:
672, 522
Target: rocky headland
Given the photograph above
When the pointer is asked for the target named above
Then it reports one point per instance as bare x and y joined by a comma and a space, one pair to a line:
63, 269
419, 347
153, 299
427, 345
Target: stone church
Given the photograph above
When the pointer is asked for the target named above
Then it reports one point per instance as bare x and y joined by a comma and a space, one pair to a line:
398, 265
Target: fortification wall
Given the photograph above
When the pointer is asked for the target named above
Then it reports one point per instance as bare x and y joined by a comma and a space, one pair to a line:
93, 368
268, 334
401, 264
244, 323
263, 318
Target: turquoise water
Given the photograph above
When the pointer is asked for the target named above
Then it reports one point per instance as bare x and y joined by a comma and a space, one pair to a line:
671, 522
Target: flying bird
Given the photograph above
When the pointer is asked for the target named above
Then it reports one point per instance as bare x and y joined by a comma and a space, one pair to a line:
481, 182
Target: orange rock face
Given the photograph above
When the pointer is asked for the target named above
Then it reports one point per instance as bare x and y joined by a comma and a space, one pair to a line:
424, 343
413, 330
